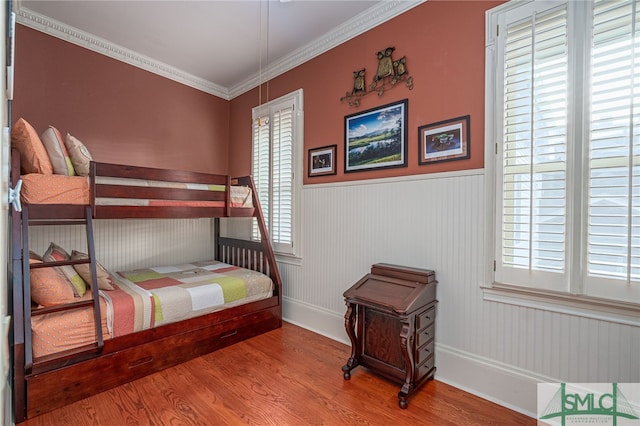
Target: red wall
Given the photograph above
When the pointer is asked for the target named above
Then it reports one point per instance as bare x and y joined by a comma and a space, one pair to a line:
126, 115
444, 45
121, 113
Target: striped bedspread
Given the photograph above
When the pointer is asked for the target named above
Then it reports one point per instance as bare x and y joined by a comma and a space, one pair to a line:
147, 298
150, 297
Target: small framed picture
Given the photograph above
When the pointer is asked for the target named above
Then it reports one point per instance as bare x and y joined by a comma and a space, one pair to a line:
322, 161
446, 140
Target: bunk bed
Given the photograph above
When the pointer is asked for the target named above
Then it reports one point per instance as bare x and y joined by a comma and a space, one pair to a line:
50, 380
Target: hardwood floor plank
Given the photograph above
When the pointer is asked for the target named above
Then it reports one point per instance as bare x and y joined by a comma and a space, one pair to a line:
289, 376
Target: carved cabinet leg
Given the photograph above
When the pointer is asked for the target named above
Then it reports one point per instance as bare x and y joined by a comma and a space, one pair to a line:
406, 344
350, 326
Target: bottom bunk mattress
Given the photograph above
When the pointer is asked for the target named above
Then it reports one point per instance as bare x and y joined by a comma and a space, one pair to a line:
151, 297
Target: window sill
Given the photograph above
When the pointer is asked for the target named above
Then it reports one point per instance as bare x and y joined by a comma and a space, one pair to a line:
289, 259
582, 306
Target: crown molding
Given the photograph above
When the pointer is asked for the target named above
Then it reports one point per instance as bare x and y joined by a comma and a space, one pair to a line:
89, 41
370, 18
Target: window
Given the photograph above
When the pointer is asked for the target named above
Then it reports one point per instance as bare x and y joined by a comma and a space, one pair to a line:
277, 141
563, 107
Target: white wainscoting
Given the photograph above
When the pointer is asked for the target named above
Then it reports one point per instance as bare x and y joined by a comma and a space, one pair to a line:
495, 350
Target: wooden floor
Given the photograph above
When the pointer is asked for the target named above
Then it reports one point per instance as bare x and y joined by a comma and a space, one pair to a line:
289, 376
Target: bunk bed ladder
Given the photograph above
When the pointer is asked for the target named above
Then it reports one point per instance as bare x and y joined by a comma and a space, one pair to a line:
75, 354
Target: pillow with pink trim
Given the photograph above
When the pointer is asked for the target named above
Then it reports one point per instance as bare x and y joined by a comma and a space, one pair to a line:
55, 253
58, 154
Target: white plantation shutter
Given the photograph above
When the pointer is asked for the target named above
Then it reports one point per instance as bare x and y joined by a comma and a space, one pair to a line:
534, 151
276, 135
613, 229
261, 169
567, 185
282, 175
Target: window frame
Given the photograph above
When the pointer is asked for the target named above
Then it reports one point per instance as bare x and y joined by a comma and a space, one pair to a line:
285, 250
573, 300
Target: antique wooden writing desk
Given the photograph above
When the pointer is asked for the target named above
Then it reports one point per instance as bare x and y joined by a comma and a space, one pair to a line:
390, 321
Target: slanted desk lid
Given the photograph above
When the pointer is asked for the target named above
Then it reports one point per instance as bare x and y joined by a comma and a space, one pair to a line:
400, 296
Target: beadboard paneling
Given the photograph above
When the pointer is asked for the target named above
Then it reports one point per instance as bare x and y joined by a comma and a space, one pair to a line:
128, 244
437, 222
434, 222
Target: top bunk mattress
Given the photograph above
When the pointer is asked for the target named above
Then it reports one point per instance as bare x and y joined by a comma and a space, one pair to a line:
59, 189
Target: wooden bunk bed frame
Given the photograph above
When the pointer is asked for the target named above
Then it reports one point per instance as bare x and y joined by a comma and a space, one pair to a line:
46, 384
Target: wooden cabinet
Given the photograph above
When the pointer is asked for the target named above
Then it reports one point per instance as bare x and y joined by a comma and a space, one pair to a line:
390, 321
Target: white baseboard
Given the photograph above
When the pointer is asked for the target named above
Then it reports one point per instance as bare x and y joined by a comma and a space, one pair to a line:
322, 321
497, 382
503, 384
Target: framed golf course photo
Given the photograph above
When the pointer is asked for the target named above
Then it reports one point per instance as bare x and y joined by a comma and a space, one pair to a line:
376, 138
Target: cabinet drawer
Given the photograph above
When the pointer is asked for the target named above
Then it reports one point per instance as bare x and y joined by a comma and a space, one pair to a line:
425, 335
426, 318
424, 352
425, 368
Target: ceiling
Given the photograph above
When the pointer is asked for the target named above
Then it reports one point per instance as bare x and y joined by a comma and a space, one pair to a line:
222, 47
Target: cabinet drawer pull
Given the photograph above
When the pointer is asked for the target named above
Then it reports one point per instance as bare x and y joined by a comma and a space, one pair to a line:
233, 333
141, 361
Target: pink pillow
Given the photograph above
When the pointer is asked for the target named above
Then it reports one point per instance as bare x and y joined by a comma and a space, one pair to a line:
49, 287
33, 155
58, 154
